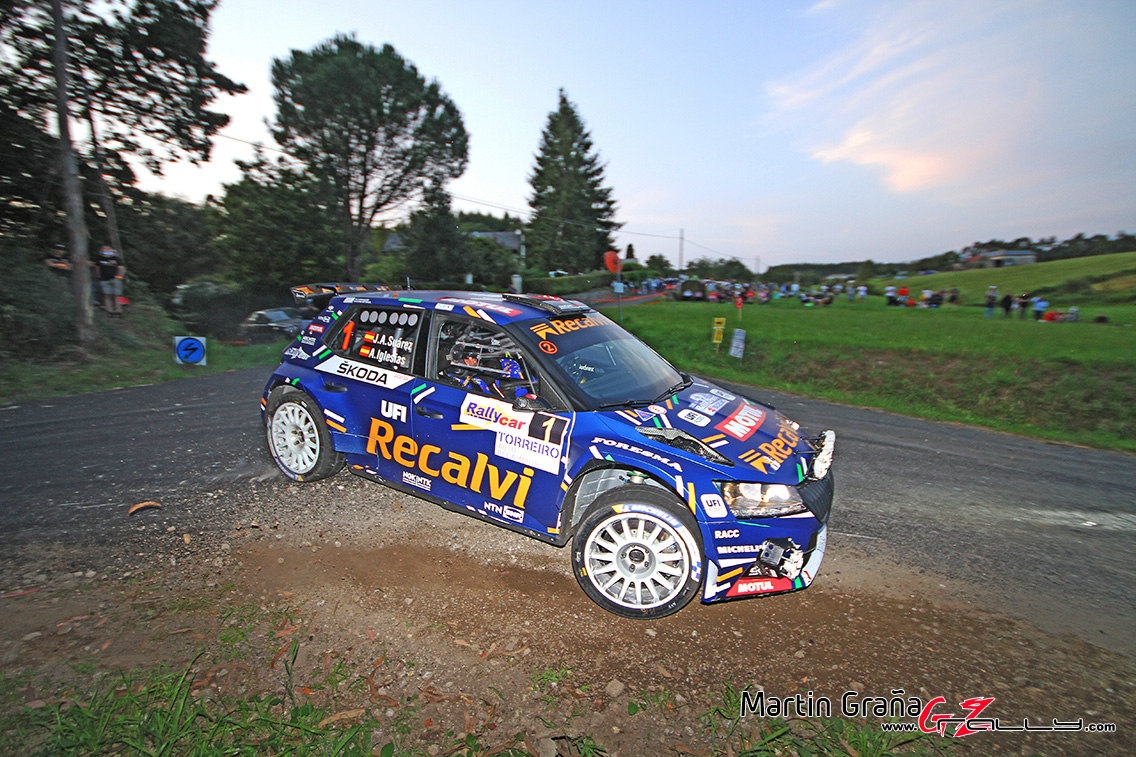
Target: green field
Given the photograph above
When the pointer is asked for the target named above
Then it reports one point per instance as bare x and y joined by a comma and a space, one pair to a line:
1072, 382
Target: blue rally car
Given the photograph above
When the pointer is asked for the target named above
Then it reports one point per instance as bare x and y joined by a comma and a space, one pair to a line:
543, 416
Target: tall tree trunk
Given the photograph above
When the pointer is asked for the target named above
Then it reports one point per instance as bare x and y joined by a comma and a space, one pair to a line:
73, 198
106, 199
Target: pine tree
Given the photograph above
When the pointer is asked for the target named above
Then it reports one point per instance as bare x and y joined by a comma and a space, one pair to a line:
435, 249
573, 212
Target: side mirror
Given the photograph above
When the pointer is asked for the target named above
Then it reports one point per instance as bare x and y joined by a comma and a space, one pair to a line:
529, 403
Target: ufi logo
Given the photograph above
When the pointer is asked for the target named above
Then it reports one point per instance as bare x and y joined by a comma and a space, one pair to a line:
742, 422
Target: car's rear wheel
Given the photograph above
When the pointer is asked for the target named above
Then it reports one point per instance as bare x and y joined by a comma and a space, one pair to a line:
298, 437
638, 553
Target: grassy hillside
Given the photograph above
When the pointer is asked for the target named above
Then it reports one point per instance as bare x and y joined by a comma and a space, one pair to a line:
1117, 274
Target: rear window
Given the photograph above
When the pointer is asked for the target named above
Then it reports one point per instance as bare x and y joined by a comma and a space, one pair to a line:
384, 337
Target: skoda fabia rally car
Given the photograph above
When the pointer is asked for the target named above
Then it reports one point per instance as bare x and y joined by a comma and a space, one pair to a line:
543, 416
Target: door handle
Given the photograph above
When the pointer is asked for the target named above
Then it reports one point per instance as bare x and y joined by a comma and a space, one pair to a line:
340, 388
437, 415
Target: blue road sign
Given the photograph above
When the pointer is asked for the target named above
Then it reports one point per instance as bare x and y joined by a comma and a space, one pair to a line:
189, 350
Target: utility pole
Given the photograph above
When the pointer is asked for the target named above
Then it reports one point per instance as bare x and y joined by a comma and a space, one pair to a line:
680, 240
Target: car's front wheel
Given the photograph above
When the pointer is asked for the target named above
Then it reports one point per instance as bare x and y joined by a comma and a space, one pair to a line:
638, 553
298, 437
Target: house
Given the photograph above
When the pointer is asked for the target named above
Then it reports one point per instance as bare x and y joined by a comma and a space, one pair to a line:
973, 258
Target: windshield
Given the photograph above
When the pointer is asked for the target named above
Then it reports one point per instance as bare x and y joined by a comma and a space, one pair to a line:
605, 365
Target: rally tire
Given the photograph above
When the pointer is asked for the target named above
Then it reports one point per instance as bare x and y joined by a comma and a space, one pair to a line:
298, 438
638, 553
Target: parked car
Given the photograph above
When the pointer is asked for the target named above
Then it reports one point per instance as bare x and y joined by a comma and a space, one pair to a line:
541, 415
272, 324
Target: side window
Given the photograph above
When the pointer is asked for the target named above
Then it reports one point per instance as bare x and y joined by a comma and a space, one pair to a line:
378, 336
483, 359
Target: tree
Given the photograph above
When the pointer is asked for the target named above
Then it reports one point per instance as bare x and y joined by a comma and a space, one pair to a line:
470, 221
573, 212
490, 263
172, 241
433, 247
136, 70
277, 229
366, 122
661, 264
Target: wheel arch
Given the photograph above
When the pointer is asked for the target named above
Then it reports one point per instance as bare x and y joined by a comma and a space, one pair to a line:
597, 477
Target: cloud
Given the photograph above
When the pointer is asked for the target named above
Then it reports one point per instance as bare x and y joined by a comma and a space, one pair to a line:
955, 100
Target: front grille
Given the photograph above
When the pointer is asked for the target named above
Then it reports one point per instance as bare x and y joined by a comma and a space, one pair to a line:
817, 496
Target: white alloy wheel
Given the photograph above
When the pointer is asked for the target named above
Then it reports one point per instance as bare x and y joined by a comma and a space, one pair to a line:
636, 560
298, 437
295, 440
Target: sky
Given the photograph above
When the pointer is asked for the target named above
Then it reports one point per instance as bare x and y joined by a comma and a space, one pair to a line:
771, 132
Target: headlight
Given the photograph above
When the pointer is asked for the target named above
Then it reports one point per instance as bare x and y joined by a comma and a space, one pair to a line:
762, 500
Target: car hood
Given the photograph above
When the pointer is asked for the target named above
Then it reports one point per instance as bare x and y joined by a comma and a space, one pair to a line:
754, 441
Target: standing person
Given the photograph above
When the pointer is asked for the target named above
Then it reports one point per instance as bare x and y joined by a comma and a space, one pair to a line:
889, 292
111, 273
1023, 305
954, 298
1007, 303
1039, 306
991, 301
58, 261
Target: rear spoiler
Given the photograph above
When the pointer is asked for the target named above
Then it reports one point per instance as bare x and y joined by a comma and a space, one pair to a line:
318, 295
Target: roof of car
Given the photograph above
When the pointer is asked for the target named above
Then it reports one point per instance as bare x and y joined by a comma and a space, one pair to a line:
502, 308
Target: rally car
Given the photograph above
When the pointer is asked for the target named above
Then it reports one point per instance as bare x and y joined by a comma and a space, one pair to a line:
543, 416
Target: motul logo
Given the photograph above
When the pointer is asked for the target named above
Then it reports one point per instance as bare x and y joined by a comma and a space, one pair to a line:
759, 586
742, 422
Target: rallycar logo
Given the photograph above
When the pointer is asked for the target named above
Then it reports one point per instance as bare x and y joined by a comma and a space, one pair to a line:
492, 415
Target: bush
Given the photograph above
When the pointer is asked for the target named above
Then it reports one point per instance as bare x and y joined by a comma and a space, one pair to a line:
39, 316
215, 310
569, 284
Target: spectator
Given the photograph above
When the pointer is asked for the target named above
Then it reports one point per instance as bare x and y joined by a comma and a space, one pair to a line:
58, 261
1023, 305
889, 292
1039, 306
991, 301
111, 273
1007, 304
